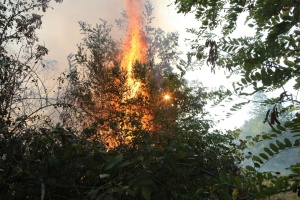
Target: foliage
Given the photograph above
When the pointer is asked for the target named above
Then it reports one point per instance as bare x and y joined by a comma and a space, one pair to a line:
97, 80
24, 101
266, 62
259, 135
57, 164
175, 155
23, 93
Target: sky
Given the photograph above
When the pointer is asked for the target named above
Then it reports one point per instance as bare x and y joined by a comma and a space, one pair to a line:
60, 31
60, 34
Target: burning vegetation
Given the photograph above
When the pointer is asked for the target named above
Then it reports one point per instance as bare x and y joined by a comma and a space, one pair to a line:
130, 128
123, 91
134, 46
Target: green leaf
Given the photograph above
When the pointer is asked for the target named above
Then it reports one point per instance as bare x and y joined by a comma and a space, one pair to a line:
140, 158
118, 158
250, 168
280, 145
124, 164
253, 77
244, 81
264, 73
281, 128
230, 177
289, 63
297, 32
297, 143
266, 81
222, 176
258, 76
287, 142
270, 71
256, 158
146, 182
297, 85
256, 165
146, 193
114, 160
108, 197
276, 131
238, 180
93, 194
104, 175
264, 156
248, 79
274, 147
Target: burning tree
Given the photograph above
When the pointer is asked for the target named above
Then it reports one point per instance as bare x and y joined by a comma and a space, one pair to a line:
156, 131
118, 85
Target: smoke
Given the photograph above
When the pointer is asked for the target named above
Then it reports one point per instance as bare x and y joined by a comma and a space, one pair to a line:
60, 30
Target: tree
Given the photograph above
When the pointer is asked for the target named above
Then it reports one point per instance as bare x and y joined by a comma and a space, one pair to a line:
97, 80
23, 93
175, 154
266, 61
23, 96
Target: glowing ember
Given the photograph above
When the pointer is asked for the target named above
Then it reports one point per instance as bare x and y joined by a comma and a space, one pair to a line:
167, 97
134, 45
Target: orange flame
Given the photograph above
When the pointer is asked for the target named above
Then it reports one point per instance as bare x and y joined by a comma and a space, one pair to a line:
134, 45
134, 48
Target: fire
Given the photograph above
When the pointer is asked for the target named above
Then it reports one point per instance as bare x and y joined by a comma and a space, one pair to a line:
134, 48
134, 45
167, 97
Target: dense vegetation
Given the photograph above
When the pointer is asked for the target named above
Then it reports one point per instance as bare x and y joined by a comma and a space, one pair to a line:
43, 157
267, 62
85, 141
